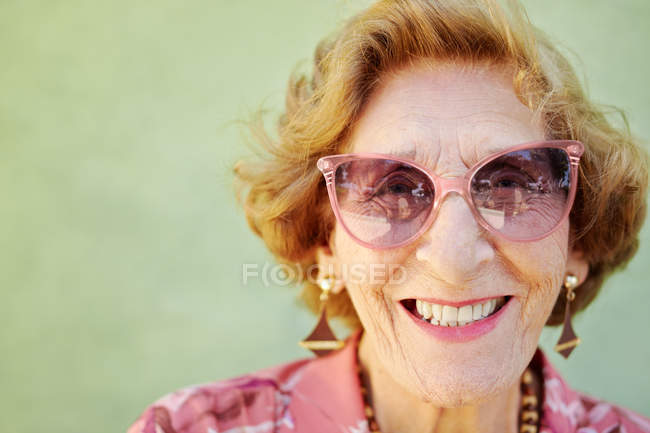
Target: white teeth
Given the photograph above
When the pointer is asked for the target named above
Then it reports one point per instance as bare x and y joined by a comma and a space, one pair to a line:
448, 316
476, 311
486, 308
436, 310
426, 310
465, 313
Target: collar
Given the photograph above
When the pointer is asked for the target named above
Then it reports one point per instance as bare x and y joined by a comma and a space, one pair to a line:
328, 396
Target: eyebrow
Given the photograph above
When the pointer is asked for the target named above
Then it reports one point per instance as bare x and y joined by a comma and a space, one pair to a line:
409, 154
480, 151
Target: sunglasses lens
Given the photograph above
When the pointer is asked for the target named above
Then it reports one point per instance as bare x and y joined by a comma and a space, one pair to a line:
381, 201
523, 194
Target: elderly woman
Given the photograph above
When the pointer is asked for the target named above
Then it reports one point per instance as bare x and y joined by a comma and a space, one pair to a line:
451, 189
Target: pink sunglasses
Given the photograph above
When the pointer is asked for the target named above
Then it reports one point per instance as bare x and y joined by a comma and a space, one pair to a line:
522, 193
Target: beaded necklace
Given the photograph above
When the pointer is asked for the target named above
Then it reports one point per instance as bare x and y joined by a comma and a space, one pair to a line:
528, 413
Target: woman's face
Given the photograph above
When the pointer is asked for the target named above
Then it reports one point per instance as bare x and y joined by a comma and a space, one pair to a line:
447, 118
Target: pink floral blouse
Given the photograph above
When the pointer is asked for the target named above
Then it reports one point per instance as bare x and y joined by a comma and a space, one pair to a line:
322, 395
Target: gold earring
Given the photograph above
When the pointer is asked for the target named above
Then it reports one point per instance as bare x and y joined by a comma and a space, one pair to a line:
568, 340
322, 340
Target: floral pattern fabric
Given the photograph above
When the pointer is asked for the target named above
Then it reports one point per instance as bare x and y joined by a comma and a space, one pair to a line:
322, 395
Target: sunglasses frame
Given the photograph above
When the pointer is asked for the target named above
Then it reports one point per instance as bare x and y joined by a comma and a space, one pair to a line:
460, 185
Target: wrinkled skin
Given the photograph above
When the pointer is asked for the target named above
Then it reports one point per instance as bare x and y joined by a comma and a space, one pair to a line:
447, 117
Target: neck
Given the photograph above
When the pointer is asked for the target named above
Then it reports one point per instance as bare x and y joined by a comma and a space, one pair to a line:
399, 411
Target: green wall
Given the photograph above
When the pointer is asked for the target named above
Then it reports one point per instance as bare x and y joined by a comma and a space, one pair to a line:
122, 247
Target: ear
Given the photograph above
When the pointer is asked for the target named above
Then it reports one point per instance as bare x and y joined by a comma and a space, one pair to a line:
577, 265
329, 267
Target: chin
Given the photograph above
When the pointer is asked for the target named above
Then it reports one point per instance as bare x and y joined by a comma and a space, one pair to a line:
463, 374
471, 389
455, 374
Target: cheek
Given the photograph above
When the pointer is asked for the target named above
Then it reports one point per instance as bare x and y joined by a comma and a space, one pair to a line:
367, 274
365, 268
540, 267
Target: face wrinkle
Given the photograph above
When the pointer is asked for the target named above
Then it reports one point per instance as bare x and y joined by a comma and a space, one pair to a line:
541, 288
403, 116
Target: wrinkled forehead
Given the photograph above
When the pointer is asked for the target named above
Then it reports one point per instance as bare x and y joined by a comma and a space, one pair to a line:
449, 114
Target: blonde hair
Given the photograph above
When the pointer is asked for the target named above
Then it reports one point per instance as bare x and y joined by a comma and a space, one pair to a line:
284, 195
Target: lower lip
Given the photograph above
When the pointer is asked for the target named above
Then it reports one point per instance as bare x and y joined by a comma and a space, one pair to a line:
460, 333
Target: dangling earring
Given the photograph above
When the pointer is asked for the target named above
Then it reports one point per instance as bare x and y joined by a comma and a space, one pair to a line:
568, 340
322, 340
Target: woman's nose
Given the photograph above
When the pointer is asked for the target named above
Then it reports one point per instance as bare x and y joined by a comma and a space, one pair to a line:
454, 245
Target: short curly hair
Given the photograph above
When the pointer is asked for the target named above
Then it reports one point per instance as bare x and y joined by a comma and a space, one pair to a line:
284, 195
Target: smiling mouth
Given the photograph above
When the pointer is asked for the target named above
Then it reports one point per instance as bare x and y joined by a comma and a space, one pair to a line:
449, 316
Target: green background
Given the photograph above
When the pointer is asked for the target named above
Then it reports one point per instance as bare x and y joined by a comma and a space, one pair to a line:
122, 246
